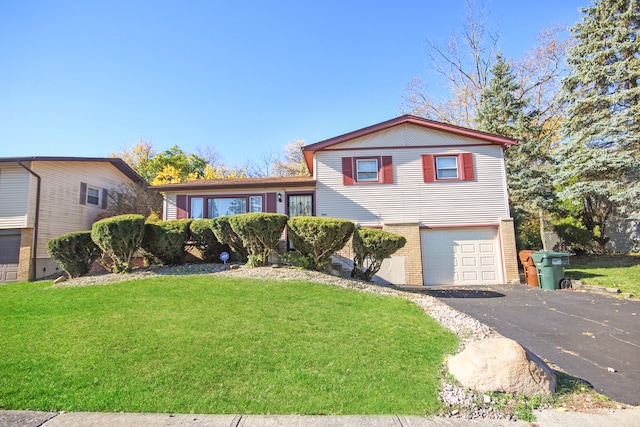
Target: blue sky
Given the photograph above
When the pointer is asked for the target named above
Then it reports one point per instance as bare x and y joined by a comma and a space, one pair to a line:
88, 78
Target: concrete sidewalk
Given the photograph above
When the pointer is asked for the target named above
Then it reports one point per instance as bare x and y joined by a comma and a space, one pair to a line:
545, 418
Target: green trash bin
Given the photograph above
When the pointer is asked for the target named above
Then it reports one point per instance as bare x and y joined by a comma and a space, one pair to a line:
550, 266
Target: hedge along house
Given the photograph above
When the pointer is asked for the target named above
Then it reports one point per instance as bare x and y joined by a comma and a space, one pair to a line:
442, 187
44, 197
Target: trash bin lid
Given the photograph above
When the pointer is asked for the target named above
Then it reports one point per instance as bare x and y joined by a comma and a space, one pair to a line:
548, 254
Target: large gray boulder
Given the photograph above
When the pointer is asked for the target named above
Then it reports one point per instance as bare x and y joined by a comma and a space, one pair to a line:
502, 365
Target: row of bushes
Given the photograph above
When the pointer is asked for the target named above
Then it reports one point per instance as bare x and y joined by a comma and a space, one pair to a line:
252, 237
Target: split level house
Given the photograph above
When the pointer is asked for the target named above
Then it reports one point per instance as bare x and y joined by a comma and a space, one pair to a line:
44, 197
443, 187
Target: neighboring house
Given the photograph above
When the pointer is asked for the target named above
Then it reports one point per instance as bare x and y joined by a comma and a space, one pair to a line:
624, 234
442, 187
44, 197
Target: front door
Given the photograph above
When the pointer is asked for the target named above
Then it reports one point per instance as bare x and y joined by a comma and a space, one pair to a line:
300, 205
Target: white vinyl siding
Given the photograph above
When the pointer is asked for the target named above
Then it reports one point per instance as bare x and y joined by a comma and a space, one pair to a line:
409, 198
406, 135
14, 196
169, 207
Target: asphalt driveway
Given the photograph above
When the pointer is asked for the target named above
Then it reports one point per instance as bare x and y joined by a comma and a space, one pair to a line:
587, 335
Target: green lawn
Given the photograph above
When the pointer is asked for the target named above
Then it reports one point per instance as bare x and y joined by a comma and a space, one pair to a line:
614, 271
199, 344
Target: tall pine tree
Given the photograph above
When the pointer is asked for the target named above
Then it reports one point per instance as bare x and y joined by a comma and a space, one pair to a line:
600, 161
502, 111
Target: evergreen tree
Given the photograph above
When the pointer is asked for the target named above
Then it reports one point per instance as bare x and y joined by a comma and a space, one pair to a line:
504, 113
600, 162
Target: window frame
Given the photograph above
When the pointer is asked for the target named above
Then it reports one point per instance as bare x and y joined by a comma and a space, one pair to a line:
358, 161
465, 167
350, 170
97, 197
207, 198
438, 168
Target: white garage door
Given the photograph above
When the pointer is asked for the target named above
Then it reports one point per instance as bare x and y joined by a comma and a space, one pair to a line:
467, 256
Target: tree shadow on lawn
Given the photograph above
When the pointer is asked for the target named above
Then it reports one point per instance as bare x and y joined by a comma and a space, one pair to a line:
579, 275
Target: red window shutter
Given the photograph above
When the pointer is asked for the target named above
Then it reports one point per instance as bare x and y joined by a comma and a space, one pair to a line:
347, 170
428, 171
181, 206
105, 197
83, 193
387, 170
271, 202
467, 166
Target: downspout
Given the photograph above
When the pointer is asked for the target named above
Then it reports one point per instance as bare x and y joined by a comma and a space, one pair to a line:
34, 251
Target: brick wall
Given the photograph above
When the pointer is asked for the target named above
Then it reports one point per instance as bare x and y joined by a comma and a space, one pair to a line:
509, 253
24, 264
411, 252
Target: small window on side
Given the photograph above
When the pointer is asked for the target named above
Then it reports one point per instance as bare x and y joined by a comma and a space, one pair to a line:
93, 196
447, 167
255, 204
197, 208
366, 170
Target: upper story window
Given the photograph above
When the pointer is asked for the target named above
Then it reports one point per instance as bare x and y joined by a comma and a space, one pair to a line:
366, 170
93, 196
447, 167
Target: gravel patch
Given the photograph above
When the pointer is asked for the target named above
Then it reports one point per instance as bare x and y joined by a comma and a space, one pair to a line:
462, 403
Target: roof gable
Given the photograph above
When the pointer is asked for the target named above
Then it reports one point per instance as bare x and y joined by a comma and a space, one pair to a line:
118, 163
309, 150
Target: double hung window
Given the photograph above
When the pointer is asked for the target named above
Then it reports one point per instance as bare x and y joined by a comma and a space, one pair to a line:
366, 170
447, 167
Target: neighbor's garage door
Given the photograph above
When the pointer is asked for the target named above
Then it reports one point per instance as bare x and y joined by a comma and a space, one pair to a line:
9, 257
467, 256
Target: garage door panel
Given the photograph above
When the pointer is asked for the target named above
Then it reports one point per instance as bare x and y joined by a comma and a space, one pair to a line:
487, 248
469, 262
470, 276
468, 248
487, 262
460, 256
489, 276
9, 257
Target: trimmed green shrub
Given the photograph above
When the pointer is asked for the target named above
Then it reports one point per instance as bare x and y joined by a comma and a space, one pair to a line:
318, 237
119, 237
75, 252
166, 240
260, 232
225, 235
371, 247
205, 241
